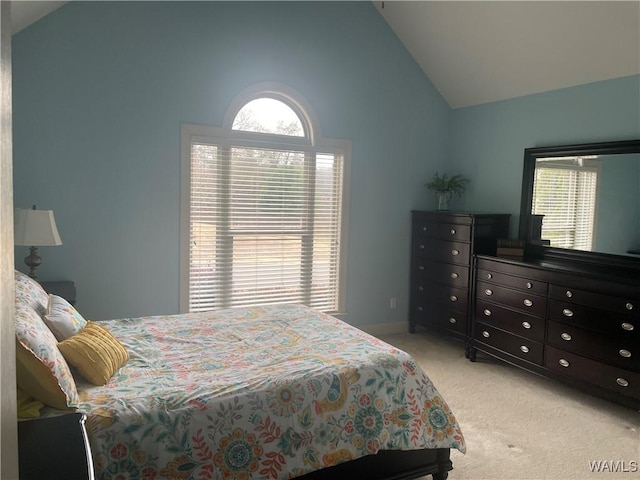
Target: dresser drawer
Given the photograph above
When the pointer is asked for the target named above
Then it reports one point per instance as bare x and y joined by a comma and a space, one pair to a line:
452, 231
613, 378
516, 299
507, 342
442, 250
449, 273
602, 321
619, 305
510, 320
428, 294
443, 317
444, 231
589, 344
520, 283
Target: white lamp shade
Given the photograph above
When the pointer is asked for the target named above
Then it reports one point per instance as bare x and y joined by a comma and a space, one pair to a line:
35, 228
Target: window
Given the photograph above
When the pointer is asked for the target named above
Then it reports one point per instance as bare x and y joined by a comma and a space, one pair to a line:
565, 193
263, 206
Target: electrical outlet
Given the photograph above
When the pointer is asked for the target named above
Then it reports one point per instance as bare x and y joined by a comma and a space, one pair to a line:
393, 303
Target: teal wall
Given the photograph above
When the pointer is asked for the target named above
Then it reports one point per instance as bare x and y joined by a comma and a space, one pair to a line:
101, 89
488, 141
100, 92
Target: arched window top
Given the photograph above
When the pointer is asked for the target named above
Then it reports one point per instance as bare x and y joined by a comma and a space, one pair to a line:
269, 115
272, 108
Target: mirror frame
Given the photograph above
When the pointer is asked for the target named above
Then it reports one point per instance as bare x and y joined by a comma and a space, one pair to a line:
563, 254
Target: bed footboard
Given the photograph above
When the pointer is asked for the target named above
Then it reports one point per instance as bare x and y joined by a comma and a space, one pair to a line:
390, 465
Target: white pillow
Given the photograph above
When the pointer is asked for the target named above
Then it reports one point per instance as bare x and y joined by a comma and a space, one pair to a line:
62, 319
30, 292
41, 370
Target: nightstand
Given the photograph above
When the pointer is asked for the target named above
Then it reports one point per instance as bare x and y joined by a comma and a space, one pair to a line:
65, 289
55, 448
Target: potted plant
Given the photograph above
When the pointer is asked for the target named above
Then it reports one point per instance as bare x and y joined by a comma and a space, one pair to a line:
445, 186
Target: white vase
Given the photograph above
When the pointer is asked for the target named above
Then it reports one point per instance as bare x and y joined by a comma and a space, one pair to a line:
442, 199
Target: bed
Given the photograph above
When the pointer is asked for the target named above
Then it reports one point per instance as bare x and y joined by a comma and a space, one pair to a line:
268, 392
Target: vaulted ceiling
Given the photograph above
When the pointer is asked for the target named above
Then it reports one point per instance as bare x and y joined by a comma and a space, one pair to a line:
24, 13
476, 52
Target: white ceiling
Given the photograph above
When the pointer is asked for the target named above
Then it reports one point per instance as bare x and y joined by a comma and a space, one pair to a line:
24, 13
476, 52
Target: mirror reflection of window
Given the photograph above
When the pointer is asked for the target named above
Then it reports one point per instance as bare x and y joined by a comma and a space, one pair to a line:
565, 192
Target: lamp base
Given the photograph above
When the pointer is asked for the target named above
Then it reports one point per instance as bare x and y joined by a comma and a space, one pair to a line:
33, 261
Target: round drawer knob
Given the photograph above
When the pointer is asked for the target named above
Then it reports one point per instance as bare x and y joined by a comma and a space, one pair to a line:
420, 309
485, 334
487, 312
563, 362
623, 382
526, 325
524, 349
421, 268
627, 326
489, 276
569, 293
452, 320
529, 285
527, 302
625, 353
421, 246
452, 231
421, 288
567, 313
488, 292
453, 298
424, 229
454, 275
455, 252
565, 336
629, 306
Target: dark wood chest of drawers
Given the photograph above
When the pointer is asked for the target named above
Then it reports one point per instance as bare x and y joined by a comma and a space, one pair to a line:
443, 245
581, 328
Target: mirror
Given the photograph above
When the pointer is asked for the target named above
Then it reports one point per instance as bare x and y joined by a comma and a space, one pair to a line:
582, 200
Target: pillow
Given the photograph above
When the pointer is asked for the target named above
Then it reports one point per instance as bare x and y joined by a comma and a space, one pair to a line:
29, 292
28, 407
41, 370
62, 319
95, 352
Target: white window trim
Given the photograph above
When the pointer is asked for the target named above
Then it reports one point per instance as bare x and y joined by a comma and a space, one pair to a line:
225, 134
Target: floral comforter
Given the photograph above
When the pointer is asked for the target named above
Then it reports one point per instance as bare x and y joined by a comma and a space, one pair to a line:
259, 392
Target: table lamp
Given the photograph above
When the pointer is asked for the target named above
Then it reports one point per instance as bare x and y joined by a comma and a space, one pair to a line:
35, 228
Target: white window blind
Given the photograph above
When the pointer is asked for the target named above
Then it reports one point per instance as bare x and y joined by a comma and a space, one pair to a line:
265, 215
566, 196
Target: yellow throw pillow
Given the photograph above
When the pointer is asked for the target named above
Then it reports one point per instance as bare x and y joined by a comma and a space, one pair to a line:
95, 352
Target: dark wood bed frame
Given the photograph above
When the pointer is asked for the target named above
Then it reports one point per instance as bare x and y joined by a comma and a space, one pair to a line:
70, 459
390, 465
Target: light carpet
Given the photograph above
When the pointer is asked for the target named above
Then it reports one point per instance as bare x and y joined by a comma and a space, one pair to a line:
518, 425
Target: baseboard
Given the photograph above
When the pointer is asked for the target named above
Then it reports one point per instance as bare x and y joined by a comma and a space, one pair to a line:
378, 329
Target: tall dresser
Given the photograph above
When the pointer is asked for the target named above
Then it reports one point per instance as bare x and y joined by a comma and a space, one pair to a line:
573, 323
443, 245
